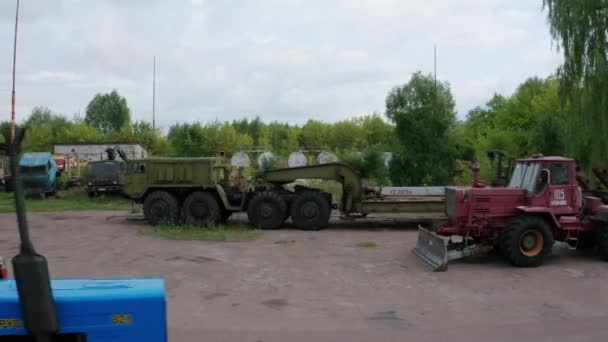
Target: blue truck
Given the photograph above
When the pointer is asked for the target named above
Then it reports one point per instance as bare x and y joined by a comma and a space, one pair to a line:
39, 173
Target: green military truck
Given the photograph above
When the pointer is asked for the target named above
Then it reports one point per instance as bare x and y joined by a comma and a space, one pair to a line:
203, 191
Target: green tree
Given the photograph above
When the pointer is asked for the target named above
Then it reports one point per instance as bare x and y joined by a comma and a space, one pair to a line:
580, 29
314, 134
423, 114
108, 112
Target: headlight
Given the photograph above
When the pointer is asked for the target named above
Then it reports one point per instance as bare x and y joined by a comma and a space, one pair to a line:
115, 182
90, 183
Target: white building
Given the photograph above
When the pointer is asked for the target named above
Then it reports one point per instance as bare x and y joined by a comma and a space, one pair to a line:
97, 151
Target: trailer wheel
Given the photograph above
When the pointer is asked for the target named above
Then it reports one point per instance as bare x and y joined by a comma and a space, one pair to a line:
201, 209
161, 207
602, 240
310, 210
267, 210
526, 240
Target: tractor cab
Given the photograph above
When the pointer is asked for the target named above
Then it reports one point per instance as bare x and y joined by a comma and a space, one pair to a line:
548, 182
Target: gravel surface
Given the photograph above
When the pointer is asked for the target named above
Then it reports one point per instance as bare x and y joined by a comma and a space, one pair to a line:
291, 285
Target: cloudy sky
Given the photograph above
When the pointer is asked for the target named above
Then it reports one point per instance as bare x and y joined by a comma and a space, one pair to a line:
287, 60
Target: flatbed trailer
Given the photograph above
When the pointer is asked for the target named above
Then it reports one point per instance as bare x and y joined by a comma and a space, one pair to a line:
356, 201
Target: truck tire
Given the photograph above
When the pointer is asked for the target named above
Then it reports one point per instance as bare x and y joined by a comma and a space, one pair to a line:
161, 207
201, 209
586, 242
526, 241
310, 210
267, 210
602, 240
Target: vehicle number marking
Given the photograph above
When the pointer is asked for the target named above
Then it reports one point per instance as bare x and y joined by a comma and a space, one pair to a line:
122, 319
10, 323
559, 197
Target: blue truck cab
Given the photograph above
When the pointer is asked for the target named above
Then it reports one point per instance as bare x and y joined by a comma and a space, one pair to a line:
38, 173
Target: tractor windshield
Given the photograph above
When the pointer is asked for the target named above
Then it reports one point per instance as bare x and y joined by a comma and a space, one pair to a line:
524, 176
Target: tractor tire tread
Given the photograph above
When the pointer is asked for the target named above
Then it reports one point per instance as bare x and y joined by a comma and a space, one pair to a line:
511, 234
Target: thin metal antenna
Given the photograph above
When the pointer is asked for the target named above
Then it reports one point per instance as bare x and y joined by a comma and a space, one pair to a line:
154, 95
14, 67
435, 75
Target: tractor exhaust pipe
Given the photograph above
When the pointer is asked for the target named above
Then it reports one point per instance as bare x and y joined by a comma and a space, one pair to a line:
432, 250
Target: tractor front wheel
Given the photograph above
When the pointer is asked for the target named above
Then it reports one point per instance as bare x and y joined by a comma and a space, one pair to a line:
526, 241
161, 207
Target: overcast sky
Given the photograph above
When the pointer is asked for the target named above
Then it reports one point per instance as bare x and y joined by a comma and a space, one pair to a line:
287, 60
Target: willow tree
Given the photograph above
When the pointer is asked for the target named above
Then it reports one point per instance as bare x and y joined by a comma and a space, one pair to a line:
580, 29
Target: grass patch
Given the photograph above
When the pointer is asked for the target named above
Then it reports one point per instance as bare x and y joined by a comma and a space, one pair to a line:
72, 199
366, 244
219, 233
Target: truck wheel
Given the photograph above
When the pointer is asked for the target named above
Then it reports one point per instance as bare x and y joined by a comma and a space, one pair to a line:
526, 240
310, 210
602, 240
586, 242
201, 209
161, 207
267, 210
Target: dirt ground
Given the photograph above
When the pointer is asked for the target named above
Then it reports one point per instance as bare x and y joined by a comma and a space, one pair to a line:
290, 285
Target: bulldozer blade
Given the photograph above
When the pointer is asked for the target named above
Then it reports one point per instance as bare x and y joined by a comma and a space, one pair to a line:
432, 250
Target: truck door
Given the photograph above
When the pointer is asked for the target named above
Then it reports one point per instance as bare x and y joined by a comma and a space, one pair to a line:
562, 199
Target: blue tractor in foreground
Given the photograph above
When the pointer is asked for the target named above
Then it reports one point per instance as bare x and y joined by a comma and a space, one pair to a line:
35, 308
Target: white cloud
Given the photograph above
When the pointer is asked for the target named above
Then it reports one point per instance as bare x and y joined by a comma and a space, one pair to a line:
282, 60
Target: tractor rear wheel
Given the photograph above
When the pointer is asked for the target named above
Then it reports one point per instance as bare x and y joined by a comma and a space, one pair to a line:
201, 209
602, 240
161, 207
310, 210
267, 210
526, 241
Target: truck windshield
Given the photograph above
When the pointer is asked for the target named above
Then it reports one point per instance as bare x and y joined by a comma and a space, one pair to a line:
524, 176
104, 167
33, 170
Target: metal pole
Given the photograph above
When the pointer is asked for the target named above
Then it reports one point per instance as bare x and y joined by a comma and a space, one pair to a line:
435, 75
154, 95
14, 66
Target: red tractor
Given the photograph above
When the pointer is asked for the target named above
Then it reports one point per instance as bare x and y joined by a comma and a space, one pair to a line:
541, 204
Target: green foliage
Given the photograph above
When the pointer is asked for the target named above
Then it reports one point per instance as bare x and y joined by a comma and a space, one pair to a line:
190, 140
369, 163
314, 135
580, 28
108, 112
423, 114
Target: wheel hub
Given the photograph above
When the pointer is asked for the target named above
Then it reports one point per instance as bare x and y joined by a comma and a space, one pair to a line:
531, 243
266, 210
309, 210
199, 209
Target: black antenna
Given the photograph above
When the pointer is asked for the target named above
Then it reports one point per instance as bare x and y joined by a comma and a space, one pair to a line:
30, 268
14, 67
154, 95
435, 76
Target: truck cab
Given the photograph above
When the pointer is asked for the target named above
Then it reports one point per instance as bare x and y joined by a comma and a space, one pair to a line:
39, 173
549, 184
